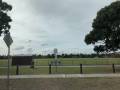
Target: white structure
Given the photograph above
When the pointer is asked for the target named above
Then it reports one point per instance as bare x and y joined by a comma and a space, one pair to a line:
55, 53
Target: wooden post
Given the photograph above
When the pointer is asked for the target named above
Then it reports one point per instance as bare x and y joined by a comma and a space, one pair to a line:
17, 70
50, 69
81, 71
113, 67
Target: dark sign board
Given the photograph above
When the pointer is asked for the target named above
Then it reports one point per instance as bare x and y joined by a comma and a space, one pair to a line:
22, 60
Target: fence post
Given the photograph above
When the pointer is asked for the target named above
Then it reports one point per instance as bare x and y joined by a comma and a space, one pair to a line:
17, 70
81, 71
113, 67
50, 69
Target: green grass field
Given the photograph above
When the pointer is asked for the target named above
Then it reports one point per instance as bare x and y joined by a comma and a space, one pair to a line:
77, 61
72, 61
64, 70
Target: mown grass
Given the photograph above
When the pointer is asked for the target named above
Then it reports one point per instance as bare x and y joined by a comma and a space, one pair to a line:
72, 61
77, 61
25, 70
58, 70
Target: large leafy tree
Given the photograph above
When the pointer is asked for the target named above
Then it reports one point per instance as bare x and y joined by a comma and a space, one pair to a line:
106, 29
5, 19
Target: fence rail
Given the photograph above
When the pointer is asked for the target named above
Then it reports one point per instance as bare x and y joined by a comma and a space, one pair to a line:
63, 69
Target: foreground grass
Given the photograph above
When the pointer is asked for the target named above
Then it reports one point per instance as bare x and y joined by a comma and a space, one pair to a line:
63, 84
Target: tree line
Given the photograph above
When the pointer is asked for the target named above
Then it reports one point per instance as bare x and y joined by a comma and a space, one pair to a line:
93, 55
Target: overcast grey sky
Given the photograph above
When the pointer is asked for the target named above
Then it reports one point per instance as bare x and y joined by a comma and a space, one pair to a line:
47, 24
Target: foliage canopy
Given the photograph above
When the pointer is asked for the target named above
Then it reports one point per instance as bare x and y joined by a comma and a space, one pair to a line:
106, 29
5, 19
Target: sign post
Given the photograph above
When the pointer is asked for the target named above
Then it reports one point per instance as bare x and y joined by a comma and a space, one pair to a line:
8, 71
56, 61
8, 40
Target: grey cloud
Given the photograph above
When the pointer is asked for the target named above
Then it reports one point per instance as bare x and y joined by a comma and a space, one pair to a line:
73, 10
67, 18
19, 48
57, 23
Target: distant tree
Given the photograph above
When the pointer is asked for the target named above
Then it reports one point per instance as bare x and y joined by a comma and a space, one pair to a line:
106, 29
99, 49
4, 17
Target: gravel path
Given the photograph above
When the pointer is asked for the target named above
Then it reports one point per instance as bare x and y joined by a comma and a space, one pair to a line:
60, 76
